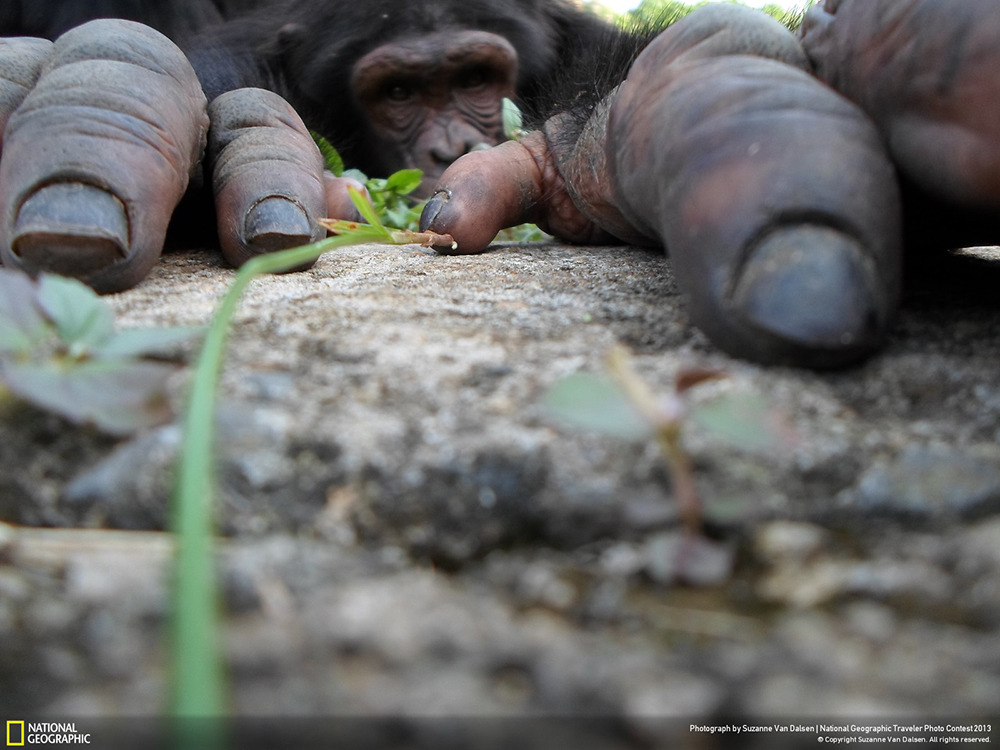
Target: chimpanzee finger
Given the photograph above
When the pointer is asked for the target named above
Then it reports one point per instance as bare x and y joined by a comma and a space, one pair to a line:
338, 200
267, 175
927, 73
482, 193
774, 198
514, 183
21, 61
98, 155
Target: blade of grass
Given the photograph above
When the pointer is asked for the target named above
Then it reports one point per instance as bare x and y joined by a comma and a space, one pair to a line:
365, 233
367, 211
355, 228
198, 686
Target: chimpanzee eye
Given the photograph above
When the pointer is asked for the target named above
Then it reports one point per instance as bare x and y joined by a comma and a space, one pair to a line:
473, 79
398, 92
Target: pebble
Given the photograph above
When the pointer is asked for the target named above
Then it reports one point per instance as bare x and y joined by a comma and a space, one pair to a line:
930, 481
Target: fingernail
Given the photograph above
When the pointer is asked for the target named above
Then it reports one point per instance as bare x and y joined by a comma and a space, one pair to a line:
277, 223
814, 289
70, 228
432, 209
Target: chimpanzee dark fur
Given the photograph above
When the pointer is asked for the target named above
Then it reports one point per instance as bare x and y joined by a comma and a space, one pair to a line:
309, 59
178, 19
563, 54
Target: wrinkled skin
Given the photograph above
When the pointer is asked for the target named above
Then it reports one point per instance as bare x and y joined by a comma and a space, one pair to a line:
777, 199
772, 194
429, 100
926, 71
107, 127
64, 206
104, 130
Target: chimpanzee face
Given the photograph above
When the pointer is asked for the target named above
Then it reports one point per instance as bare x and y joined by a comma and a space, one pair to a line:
431, 99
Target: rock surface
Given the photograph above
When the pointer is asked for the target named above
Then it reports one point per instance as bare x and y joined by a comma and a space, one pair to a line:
408, 532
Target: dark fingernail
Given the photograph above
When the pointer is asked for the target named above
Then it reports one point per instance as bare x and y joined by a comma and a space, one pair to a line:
432, 208
277, 223
814, 289
70, 228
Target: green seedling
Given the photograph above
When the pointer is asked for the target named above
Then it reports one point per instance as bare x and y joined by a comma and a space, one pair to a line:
390, 196
59, 350
392, 199
376, 231
622, 405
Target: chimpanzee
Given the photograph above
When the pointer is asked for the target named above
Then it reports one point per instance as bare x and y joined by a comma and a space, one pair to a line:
782, 203
402, 84
102, 147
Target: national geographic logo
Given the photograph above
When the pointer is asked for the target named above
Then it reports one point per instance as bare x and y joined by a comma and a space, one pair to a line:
15, 733
20, 733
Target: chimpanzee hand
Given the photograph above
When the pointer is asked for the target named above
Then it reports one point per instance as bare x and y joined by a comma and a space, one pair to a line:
772, 193
928, 73
104, 129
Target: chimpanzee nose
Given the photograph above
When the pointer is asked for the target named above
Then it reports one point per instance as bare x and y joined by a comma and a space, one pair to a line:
446, 153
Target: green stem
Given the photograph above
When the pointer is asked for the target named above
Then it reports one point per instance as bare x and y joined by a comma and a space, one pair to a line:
682, 478
198, 683
669, 428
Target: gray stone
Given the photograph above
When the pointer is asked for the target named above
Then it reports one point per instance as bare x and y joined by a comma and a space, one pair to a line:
931, 481
407, 532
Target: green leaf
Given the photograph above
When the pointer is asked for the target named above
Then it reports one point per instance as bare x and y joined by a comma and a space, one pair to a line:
400, 216
357, 232
143, 342
743, 420
513, 120
366, 209
117, 397
331, 157
22, 325
405, 181
595, 403
82, 318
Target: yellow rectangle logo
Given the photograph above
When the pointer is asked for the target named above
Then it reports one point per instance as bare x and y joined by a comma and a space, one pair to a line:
11, 742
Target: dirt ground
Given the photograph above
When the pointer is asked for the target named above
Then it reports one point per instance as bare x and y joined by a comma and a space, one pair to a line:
408, 532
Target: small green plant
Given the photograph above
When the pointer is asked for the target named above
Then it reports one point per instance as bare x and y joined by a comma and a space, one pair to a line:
198, 684
522, 234
392, 196
624, 406
59, 350
376, 231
